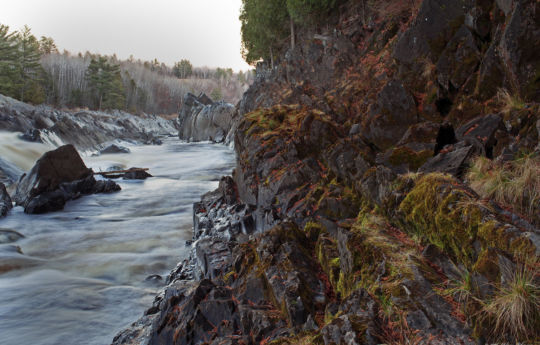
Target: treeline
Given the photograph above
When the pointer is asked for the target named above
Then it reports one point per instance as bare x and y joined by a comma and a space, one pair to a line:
34, 71
268, 26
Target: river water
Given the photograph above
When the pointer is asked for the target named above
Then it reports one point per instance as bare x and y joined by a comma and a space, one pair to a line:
82, 275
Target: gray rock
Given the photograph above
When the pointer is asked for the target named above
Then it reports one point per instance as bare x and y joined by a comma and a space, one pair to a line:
112, 149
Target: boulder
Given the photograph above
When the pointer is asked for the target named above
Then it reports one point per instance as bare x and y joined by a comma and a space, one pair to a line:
111, 149
58, 176
136, 174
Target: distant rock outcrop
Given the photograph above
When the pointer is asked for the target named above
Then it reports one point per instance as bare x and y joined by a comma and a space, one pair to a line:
58, 176
201, 119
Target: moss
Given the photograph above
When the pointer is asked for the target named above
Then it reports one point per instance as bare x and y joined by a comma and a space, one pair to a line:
444, 214
494, 234
405, 155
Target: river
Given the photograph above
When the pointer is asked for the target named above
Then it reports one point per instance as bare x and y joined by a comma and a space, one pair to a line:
83, 273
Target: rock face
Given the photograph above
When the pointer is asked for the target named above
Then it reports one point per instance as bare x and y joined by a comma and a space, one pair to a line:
203, 120
5, 201
347, 219
58, 176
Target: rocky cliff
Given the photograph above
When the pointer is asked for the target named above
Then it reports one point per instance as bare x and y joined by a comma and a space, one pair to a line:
386, 189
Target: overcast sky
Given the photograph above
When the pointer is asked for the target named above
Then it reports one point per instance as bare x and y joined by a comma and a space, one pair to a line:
207, 32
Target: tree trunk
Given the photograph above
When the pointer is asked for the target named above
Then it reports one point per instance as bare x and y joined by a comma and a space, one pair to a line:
271, 58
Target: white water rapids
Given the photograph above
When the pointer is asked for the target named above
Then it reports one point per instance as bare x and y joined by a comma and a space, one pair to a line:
81, 277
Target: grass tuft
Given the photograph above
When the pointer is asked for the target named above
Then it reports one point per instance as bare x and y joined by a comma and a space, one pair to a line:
509, 102
515, 184
515, 307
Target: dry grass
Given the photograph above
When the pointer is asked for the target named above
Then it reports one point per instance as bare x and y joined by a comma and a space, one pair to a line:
514, 184
515, 307
509, 102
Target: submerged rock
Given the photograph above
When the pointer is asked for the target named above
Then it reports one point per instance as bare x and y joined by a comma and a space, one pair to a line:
58, 176
112, 149
136, 174
9, 236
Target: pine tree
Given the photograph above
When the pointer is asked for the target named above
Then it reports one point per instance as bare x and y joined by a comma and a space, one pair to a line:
47, 46
309, 11
30, 72
264, 27
105, 83
8, 61
183, 69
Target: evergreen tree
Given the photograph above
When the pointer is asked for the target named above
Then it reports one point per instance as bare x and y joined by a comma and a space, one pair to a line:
183, 69
105, 83
309, 11
8, 61
264, 28
30, 72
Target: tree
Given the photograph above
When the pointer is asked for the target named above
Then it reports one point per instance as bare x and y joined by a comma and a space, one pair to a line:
47, 46
30, 72
8, 61
183, 69
309, 11
105, 83
264, 27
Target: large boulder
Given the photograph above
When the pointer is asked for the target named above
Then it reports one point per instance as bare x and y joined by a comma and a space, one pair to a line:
201, 119
5, 201
58, 176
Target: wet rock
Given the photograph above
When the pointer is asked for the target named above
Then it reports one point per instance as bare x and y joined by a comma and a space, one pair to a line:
5, 201
58, 176
113, 149
9, 236
202, 120
32, 135
136, 174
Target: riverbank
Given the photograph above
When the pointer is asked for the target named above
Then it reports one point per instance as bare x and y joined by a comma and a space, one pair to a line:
90, 270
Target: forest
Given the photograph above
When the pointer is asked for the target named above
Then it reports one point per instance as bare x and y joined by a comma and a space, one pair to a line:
35, 71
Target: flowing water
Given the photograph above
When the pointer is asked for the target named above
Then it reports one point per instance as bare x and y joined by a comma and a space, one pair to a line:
82, 275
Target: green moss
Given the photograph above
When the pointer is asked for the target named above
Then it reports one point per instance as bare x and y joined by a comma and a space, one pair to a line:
444, 214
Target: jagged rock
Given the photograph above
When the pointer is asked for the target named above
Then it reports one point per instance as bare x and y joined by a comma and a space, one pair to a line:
58, 176
201, 120
434, 26
5, 201
482, 130
390, 116
521, 58
452, 162
113, 149
458, 61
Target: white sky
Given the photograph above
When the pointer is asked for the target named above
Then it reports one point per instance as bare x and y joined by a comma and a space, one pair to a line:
207, 32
